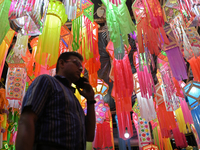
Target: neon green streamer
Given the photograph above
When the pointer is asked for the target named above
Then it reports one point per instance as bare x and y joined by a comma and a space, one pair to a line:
5, 26
118, 17
76, 26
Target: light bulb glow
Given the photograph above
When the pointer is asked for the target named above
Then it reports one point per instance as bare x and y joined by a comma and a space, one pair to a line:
126, 135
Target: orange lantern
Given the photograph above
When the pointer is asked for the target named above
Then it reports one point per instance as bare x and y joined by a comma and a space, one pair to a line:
66, 37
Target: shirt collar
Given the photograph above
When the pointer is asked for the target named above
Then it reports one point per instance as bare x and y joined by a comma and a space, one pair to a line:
64, 81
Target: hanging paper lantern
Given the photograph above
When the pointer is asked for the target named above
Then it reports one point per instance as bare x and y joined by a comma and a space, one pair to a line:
100, 109
168, 89
66, 37
15, 84
28, 17
119, 24
146, 32
122, 91
4, 27
48, 45
88, 12
82, 5
100, 90
104, 134
192, 93
186, 12
90, 50
16, 76
171, 10
174, 56
158, 96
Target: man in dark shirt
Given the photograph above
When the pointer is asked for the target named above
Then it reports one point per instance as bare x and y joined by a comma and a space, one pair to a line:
51, 116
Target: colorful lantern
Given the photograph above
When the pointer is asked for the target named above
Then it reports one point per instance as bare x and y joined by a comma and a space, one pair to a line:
171, 10
122, 92
168, 89
66, 37
90, 50
16, 76
48, 45
146, 32
118, 18
28, 17
173, 46
158, 96
186, 12
104, 134
192, 93
82, 5
15, 84
100, 109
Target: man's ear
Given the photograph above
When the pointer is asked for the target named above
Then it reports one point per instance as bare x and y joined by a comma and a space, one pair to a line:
61, 63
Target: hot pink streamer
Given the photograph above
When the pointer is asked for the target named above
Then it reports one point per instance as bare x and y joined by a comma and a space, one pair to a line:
186, 112
179, 138
146, 82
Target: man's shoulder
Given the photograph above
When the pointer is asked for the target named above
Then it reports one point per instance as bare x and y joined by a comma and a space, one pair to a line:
44, 78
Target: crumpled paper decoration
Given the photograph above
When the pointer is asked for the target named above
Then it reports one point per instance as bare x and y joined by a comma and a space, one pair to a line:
28, 17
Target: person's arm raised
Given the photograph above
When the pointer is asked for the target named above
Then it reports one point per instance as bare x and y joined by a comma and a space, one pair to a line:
90, 119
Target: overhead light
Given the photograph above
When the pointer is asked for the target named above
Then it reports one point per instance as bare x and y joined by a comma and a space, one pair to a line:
126, 134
